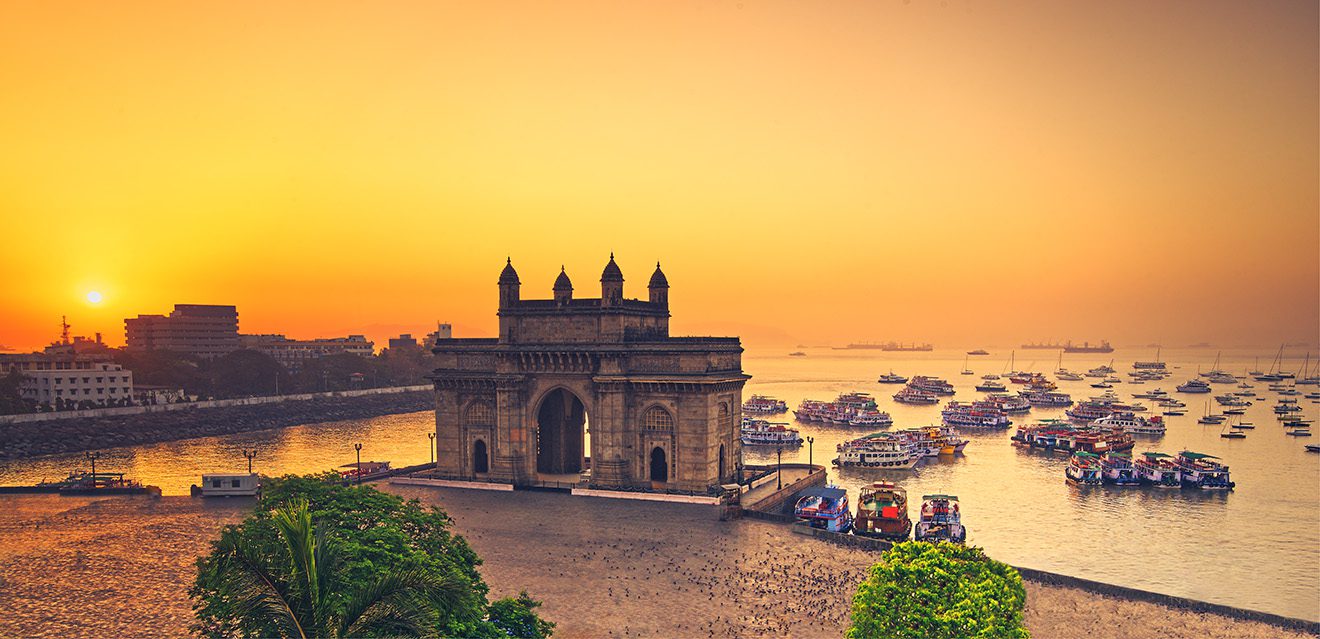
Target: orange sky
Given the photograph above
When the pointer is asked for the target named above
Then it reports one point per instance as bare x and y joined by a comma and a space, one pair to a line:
810, 172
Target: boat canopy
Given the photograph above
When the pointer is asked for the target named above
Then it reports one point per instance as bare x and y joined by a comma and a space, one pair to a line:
1121, 454
949, 497
826, 492
1155, 455
1191, 455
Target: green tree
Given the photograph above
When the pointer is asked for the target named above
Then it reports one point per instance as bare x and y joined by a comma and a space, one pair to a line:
11, 395
245, 373
378, 534
303, 592
165, 368
938, 591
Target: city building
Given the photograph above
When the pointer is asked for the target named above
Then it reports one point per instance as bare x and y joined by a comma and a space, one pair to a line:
293, 353
442, 331
201, 330
404, 341
101, 383
663, 411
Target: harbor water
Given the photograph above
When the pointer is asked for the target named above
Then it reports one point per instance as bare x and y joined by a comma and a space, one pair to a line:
1255, 547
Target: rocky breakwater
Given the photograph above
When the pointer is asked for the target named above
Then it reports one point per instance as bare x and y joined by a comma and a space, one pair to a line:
91, 433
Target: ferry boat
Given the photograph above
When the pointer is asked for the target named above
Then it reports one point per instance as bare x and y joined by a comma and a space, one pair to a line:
1158, 470
1068, 376
365, 471
848, 409
1199, 470
877, 450
1086, 347
228, 485
1119, 470
1084, 469
1153, 365
759, 432
763, 405
991, 386
1133, 424
1154, 393
1102, 385
1022, 377
797, 354
1047, 399
84, 483
910, 395
978, 352
891, 378
1004, 403
940, 520
931, 385
1090, 410
825, 508
969, 416
1194, 386
882, 512
1231, 400
1101, 371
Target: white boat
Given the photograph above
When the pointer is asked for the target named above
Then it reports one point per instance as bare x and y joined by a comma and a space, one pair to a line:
229, 485
759, 432
878, 450
1194, 386
1133, 424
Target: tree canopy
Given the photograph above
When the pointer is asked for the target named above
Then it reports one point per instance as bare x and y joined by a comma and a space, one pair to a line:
376, 535
921, 590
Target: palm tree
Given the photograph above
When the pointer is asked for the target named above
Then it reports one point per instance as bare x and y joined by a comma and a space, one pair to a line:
302, 593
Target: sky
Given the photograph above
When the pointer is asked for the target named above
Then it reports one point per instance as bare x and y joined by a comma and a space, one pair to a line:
806, 172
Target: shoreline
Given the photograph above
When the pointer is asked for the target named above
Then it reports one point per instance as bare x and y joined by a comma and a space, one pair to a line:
72, 435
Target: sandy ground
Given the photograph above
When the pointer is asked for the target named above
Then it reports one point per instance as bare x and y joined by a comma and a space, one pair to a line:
83, 567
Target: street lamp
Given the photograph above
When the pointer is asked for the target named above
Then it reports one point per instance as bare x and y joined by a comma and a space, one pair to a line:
430, 446
358, 448
810, 440
93, 457
249, 454
779, 467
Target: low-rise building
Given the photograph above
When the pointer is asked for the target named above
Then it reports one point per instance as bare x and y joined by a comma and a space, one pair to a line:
293, 353
102, 384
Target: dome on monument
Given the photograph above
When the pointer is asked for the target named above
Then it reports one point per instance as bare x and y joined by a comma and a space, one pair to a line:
612, 272
562, 282
508, 275
658, 279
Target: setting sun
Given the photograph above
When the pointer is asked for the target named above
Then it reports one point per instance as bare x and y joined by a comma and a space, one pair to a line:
94, 297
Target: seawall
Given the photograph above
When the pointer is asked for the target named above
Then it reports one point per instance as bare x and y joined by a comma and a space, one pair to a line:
203, 419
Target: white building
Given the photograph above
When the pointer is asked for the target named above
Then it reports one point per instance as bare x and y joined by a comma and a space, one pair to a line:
100, 383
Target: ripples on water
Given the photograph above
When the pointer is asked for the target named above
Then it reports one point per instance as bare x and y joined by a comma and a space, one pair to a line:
1257, 547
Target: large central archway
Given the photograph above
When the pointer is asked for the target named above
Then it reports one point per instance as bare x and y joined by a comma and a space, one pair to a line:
559, 443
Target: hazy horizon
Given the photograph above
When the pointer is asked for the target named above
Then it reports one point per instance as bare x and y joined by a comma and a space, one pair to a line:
969, 174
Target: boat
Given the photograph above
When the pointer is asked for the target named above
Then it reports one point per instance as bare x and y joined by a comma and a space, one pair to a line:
1041, 346
877, 450
1119, 470
825, 508
978, 352
763, 405
1133, 424
1004, 403
1313, 448
910, 395
1233, 434
848, 409
1053, 435
969, 416
931, 385
1158, 469
797, 354
1047, 399
1151, 365
891, 378
99, 484
1102, 385
1090, 410
1068, 376
1087, 347
1102, 371
759, 432
1084, 469
1154, 393
1199, 470
895, 346
1209, 418
882, 512
1235, 411
1194, 386
991, 386
228, 485
941, 520
1174, 412
1299, 432
365, 471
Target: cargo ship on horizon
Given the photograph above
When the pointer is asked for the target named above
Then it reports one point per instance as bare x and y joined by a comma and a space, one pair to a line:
1087, 347
887, 346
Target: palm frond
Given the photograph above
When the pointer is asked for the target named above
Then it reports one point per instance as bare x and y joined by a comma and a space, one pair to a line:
257, 594
406, 602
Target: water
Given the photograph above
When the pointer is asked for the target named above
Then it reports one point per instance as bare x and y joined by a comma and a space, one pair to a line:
1257, 547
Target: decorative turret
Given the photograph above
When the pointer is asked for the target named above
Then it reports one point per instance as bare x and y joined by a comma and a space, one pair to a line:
509, 286
611, 284
563, 288
659, 287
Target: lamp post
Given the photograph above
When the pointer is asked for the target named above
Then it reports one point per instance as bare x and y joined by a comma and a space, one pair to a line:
431, 446
779, 467
358, 448
93, 457
249, 454
810, 440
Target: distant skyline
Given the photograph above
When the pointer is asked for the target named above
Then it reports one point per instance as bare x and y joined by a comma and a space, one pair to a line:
956, 173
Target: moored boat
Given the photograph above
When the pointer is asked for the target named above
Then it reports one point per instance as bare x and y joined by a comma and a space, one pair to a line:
759, 432
910, 395
1084, 469
1158, 469
1133, 424
882, 511
763, 405
1119, 470
930, 384
891, 378
940, 520
1199, 470
825, 508
877, 450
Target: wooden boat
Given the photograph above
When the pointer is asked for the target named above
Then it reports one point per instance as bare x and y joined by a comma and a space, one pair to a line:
825, 508
941, 520
882, 512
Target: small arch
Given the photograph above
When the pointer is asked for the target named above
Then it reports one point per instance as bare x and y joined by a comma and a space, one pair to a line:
659, 465
479, 413
480, 460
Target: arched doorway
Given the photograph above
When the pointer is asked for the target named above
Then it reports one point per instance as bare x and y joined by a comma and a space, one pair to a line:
480, 461
559, 428
720, 479
659, 465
